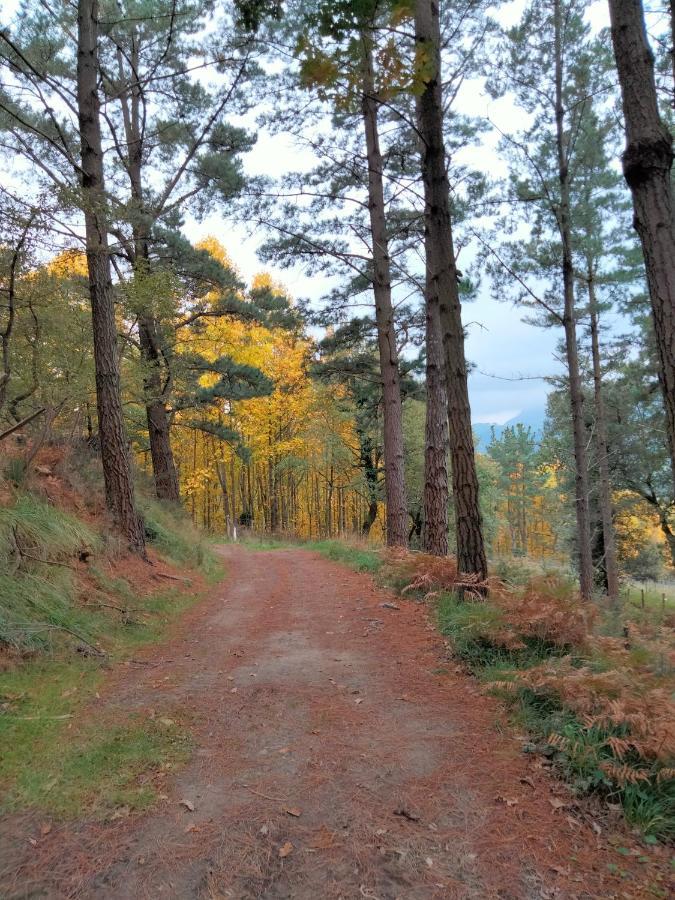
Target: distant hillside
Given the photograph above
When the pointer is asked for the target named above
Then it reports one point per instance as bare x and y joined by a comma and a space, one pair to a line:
532, 417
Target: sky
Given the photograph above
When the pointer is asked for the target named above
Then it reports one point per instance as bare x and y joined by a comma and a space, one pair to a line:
500, 345
510, 359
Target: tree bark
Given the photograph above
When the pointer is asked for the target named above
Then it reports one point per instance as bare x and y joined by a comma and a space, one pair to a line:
163, 464
435, 493
647, 163
668, 534
442, 283
605, 486
581, 498
164, 471
119, 489
394, 477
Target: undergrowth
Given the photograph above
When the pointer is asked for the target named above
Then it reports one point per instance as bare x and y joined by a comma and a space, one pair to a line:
601, 706
360, 558
70, 605
593, 686
41, 583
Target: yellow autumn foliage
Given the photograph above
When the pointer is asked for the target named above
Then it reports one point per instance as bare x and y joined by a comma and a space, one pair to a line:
291, 469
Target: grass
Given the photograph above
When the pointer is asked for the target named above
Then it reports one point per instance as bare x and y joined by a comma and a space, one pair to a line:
57, 754
260, 542
579, 751
659, 598
359, 558
89, 770
175, 537
97, 765
39, 524
37, 587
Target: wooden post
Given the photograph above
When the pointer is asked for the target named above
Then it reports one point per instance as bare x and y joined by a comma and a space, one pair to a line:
642, 597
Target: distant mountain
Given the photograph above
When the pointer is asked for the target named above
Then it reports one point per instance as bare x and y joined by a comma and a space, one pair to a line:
534, 418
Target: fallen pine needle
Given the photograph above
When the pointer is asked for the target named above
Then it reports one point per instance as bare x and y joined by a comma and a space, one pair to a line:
266, 796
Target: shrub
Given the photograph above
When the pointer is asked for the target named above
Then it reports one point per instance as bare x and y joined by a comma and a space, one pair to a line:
600, 703
646, 564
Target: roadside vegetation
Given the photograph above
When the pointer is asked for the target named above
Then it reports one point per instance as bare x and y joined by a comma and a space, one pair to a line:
591, 684
73, 601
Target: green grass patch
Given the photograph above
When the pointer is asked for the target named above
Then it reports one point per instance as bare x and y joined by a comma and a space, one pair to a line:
260, 542
473, 629
36, 584
169, 530
38, 589
359, 558
42, 528
57, 754
54, 754
48, 764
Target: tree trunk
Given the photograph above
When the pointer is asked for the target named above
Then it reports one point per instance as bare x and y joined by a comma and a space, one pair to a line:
435, 494
119, 489
668, 534
605, 487
157, 416
570, 326
442, 283
222, 478
394, 478
647, 162
163, 463
6, 335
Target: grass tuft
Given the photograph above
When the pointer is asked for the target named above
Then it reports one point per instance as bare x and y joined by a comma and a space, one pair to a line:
97, 766
359, 558
56, 753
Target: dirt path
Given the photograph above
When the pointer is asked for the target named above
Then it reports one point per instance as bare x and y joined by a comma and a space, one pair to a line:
334, 729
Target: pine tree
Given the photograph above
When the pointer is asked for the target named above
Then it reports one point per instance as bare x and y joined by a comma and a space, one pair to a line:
443, 283
160, 118
647, 165
114, 452
554, 69
516, 453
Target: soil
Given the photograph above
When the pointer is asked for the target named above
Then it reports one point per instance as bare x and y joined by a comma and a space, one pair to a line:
339, 752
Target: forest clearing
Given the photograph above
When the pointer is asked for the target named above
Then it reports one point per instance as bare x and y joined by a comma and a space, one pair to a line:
337, 449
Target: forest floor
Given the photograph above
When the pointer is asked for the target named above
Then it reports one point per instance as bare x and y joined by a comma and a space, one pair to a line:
338, 752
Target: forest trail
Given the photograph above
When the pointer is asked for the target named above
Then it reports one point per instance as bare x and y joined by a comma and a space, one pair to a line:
338, 754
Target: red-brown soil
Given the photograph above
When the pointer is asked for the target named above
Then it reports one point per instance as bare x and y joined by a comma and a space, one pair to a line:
339, 753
